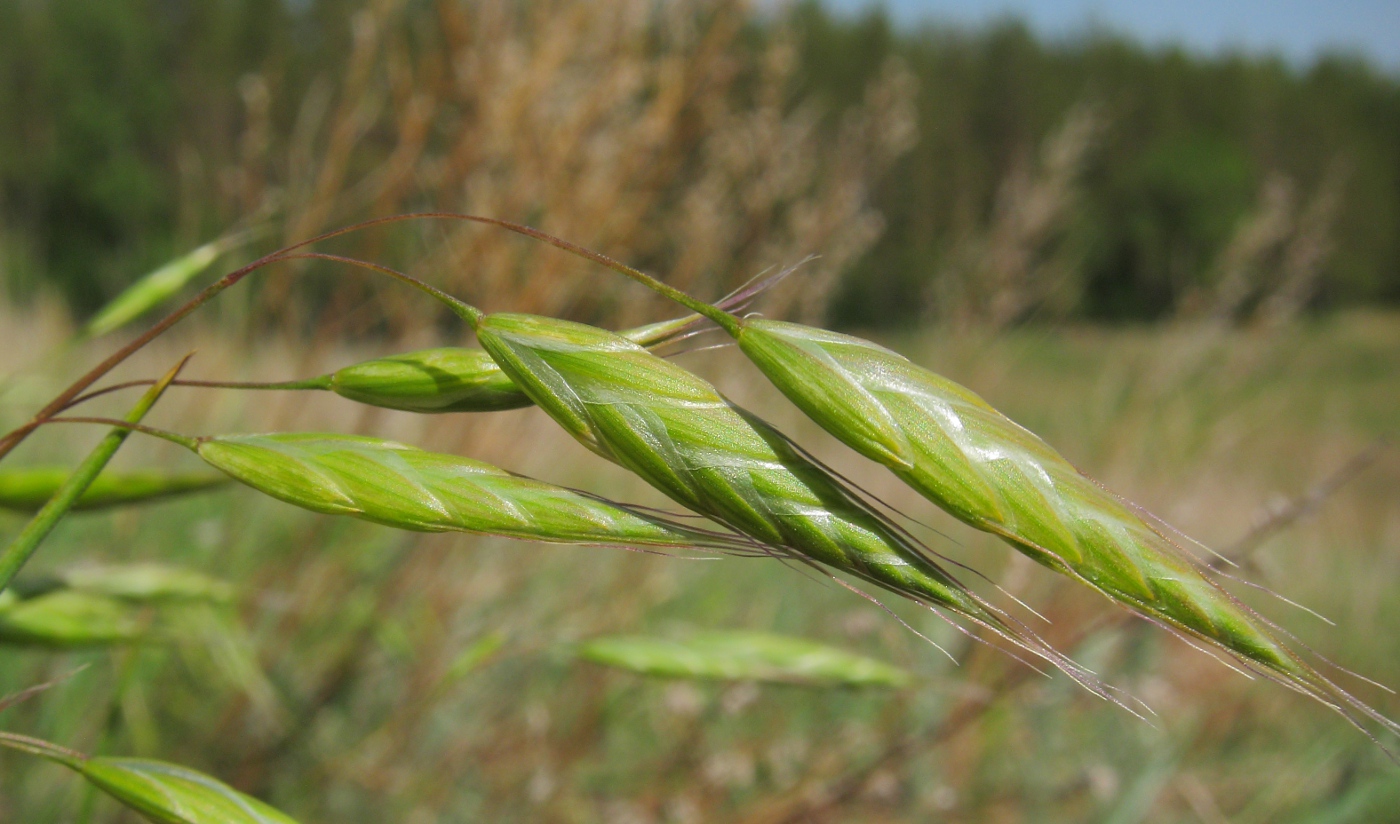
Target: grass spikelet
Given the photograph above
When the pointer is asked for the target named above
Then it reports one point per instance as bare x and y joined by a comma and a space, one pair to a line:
409, 488
983, 468
988, 471
146, 583
156, 287
681, 436
455, 378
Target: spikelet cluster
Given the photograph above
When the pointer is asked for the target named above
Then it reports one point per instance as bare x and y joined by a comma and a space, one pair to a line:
679, 434
959, 452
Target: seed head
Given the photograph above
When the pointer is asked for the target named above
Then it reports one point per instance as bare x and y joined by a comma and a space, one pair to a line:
679, 434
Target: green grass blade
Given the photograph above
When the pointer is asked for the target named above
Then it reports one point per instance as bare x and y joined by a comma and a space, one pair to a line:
22, 548
27, 489
742, 656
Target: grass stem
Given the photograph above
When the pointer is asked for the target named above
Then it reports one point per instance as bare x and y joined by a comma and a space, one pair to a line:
22, 548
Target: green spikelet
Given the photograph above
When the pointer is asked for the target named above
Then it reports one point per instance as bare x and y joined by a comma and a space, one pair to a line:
449, 379
409, 488
680, 435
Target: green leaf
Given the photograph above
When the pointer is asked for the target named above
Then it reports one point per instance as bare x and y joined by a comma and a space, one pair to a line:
170, 794
68, 618
29, 488
743, 656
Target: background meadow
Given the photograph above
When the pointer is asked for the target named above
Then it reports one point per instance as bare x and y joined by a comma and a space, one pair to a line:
1178, 269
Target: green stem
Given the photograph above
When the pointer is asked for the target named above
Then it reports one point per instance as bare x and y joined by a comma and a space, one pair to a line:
164, 434
35, 746
465, 311
24, 545
322, 382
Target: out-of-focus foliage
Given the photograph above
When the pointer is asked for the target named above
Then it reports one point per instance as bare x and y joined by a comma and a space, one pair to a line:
109, 112
70, 618
1181, 155
146, 583
742, 656
663, 133
1088, 176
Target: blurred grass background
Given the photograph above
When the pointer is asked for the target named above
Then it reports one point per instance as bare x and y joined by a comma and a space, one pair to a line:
1178, 269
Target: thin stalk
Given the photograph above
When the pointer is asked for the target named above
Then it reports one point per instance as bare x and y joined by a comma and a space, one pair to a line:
35, 746
321, 382
22, 548
720, 317
129, 426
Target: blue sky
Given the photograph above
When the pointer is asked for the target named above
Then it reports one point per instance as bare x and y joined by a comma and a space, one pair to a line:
1298, 29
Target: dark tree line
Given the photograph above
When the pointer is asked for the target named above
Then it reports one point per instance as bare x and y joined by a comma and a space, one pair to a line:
1090, 178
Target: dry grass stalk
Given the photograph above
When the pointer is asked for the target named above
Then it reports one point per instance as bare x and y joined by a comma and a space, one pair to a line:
1270, 268
1012, 267
1306, 253
650, 131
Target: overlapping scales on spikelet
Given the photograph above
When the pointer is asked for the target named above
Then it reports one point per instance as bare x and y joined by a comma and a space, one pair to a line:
409, 488
454, 378
980, 466
679, 434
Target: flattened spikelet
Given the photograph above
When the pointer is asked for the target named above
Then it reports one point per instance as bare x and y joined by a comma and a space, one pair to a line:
409, 488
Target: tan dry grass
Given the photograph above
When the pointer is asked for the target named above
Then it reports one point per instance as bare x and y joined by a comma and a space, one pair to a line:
657, 132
